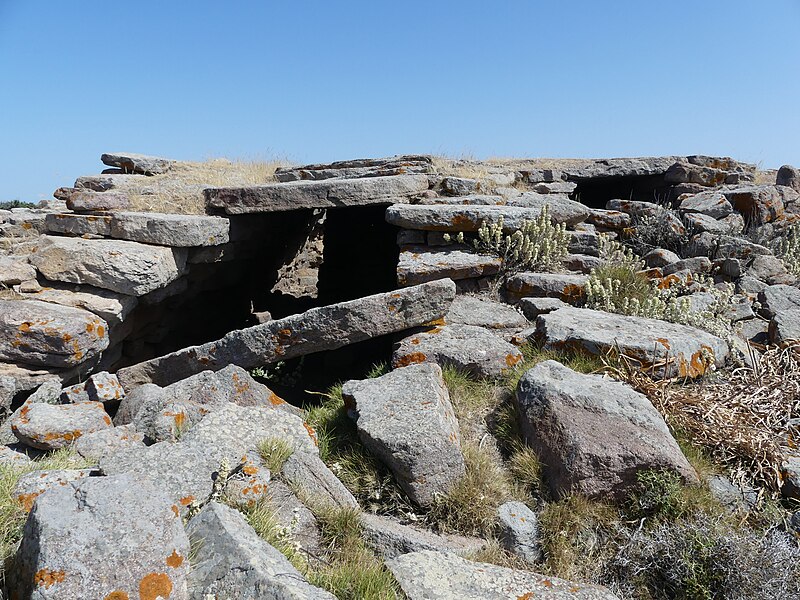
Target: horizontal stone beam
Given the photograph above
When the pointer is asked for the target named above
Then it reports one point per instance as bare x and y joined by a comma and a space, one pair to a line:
328, 193
319, 329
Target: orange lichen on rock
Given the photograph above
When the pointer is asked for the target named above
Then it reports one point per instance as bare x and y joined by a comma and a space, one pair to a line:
664, 342
27, 500
176, 511
186, 500
276, 400
117, 595
47, 577
312, 434
155, 585
174, 560
410, 359
526, 596
513, 359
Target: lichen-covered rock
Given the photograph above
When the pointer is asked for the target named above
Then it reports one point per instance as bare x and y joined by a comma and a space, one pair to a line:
593, 434
788, 176
431, 575
89, 201
711, 203
420, 264
14, 271
533, 307
778, 298
482, 312
312, 479
110, 306
101, 444
389, 538
519, 530
37, 333
469, 348
672, 349
53, 426
104, 387
405, 419
785, 326
35, 483
234, 562
361, 167
73, 545
565, 286
120, 266
759, 203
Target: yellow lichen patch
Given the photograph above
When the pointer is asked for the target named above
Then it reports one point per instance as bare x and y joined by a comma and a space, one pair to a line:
276, 400
47, 577
89, 327
174, 560
410, 359
573, 292
117, 595
155, 585
249, 469
526, 596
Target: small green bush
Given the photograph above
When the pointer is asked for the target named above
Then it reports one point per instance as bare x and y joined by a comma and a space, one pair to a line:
16, 204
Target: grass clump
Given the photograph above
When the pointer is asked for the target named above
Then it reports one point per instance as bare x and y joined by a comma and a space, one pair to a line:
661, 495
275, 452
263, 518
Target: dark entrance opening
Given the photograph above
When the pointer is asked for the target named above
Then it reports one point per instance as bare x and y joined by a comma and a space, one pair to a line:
595, 192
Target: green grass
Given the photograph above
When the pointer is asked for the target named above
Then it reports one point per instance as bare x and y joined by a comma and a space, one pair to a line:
533, 354
275, 452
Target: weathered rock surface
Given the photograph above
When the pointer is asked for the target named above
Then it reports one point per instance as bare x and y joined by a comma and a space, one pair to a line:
456, 218
519, 530
52, 426
137, 163
593, 434
466, 347
785, 326
330, 193
14, 271
390, 538
778, 298
35, 483
72, 547
112, 307
673, 349
180, 231
724, 246
48, 335
104, 387
120, 266
759, 203
102, 444
88, 200
363, 167
420, 264
306, 472
324, 328
430, 575
482, 312
234, 562
533, 307
788, 176
405, 419
712, 203
569, 288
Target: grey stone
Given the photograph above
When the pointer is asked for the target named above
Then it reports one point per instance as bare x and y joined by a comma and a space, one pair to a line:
431, 575
697, 264
581, 263
778, 298
137, 163
731, 496
609, 219
180, 231
533, 307
390, 539
555, 187
319, 329
104, 443
88, 200
788, 176
593, 434
120, 266
699, 223
636, 208
104, 387
567, 287
671, 349
749, 285
771, 270
74, 393
48, 335
330, 193
740, 308
711, 203
461, 186
468, 348
469, 218
407, 237
52, 426
405, 419
483, 312
112, 307
758, 203
362, 167
785, 326
709, 176
12, 458
47, 393
468, 200
519, 530
14, 271
295, 518
234, 562
584, 242
8, 389
660, 258
724, 246
35, 483
72, 546
306, 472
420, 264
791, 477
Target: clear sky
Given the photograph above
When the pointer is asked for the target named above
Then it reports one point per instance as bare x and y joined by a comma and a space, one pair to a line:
325, 80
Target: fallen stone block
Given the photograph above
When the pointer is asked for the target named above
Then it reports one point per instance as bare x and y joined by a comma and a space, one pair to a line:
474, 350
405, 419
72, 545
102, 444
48, 335
14, 271
785, 326
120, 266
112, 307
35, 483
429, 574
390, 539
668, 348
89, 201
53, 426
330, 193
420, 264
319, 329
313, 480
594, 434
482, 312
759, 203
569, 288
362, 167
131, 162
519, 531
778, 298
712, 203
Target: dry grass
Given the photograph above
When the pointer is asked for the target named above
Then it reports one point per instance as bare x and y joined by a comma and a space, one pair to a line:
181, 189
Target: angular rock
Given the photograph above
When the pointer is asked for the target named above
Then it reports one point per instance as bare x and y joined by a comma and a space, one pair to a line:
771, 270
420, 264
671, 349
533, 307
295, 518
120, 266
788, 176
482, 312
785, 326
362, 167
102, 444
137, 163
48, 335
555, 187
88, 201
428, 575
319, 329
74, 393
178, 231
634, 207
73, 546
14, 271
660, 258
519, 531
461, 186
712, 203
698, 223
474, 350
12, 458
104, 387
567, 287
391, 539
306, 473
454, 218
593, 434
581, 263
778, 298
35, 483
697, 264
234, 562
724, 246
113, 308
685, 172
53, 426
609, 219
8, 388
405, 419
330, 193
758, 203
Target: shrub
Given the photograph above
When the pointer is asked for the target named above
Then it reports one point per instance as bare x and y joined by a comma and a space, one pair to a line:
787, 248
662, 230
15, 204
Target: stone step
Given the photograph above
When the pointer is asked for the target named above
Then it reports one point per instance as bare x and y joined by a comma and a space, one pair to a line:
420, 264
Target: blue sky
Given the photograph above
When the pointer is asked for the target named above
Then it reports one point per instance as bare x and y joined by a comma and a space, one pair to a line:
319, 80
